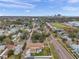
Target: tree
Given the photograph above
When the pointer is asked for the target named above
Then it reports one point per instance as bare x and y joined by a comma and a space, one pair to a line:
25, 34
2, 38
38, 37
10, 52
7, 40
24, 46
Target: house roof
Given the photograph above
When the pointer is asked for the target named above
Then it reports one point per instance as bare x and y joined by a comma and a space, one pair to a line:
2, 47
75, 47
10, 46
36, 45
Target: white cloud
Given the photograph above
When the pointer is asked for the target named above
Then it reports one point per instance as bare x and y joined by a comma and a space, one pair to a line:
8, 0
27, 11
73, 1
13, 3
70, 8
36, 0
51, 0
71, 11
32, 1
21, 0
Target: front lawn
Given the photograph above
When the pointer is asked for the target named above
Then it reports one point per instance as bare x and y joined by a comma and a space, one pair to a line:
45, 52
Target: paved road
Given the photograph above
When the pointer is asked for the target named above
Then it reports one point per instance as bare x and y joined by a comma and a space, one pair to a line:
29, 39
28, 42
62, 52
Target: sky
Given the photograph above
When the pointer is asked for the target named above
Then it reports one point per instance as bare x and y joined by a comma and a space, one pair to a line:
39, 7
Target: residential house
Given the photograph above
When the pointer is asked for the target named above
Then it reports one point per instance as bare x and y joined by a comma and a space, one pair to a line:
75, 48
17, 50
74, 23
36, 47
2, 47
3, 55
1, 32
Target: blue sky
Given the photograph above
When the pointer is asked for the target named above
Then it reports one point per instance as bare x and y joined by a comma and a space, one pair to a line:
39, 7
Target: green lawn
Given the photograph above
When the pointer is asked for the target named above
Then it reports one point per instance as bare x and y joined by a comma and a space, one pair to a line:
60, 25
45, 52
11, 57
15, 57
63, 26
38, 54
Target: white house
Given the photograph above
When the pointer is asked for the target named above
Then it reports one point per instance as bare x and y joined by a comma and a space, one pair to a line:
1, 32
2, 47
74, 23
75, 48
18, 49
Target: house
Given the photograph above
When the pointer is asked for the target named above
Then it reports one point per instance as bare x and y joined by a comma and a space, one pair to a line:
28, 53
74, 23
1, 32
29, 30
59, 30
18, 49
75, 48
13, 30
36, 47
10, 46
67, 39
3, 55
61, 33
2, 47
15, 38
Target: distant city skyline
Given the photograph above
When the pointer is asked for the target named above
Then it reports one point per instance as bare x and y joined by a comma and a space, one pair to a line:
39, 7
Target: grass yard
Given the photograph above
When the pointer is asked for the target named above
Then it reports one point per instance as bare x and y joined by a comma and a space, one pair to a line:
15, 57
60, 25
11, 57
45, 52
65, 27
